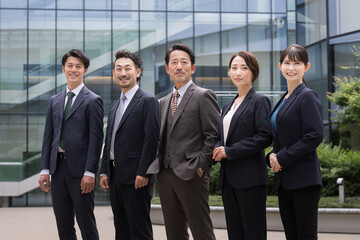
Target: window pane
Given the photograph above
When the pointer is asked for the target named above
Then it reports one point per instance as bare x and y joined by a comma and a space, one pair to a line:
260, 46
176, 5
69, 26
66, 4
207, 49
152, 45
125, 4
13, 64
152, 5
41, 59
13, 4
233, 6
98, 49
233, 36
207, 5
98, 5
180, 28
291, 32
259, 6
343, 16
279, 44
279, 5
311, 20
42, 3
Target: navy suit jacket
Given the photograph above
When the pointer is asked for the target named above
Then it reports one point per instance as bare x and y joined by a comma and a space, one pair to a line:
83, 133
136, 138
299, 132
247, 138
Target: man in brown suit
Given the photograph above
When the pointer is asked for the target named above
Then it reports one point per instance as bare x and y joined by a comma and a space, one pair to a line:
189, 118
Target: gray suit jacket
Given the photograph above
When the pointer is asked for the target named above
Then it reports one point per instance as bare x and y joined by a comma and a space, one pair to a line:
193, 132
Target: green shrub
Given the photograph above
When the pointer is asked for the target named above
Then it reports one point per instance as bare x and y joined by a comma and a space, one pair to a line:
335, 162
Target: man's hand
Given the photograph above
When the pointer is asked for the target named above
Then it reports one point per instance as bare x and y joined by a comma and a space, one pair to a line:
274, 163
199, 173
44, 182
87, 184
104, 184
219, 153
141, 182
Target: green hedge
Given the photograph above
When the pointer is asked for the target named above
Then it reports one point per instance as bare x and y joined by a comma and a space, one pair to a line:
335, 162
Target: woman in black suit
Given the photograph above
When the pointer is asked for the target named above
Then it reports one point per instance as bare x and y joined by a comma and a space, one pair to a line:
243, 135
297, 130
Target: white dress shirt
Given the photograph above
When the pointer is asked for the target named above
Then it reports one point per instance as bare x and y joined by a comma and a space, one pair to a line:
227, 120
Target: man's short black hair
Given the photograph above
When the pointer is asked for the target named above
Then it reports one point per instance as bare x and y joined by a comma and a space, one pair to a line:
76, 53
135, 58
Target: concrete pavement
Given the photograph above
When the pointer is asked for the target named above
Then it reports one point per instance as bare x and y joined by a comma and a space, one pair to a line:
38, 223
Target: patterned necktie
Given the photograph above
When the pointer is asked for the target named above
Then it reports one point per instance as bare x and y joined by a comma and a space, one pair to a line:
174, 104
66, 113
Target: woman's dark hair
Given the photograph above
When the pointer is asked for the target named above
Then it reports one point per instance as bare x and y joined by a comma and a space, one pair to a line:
135, 58
76, 53
250, 61
295, 52
181, 47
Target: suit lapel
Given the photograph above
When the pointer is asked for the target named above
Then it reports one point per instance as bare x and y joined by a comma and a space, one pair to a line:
239, 111
164, 112
79, 100
184, 101
59, 105
131, 105
288, 103
111, 117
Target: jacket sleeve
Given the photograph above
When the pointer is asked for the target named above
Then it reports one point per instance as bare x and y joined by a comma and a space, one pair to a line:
48, 138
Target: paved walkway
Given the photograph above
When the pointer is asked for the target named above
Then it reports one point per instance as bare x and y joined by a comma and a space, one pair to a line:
38, 223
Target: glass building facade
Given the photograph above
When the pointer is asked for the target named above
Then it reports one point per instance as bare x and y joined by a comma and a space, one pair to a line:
35, 34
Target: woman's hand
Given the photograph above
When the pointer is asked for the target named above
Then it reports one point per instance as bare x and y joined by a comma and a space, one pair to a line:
274, 163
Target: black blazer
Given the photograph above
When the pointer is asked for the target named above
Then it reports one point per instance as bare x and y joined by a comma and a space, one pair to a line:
299, 132
84, 138
136, 138
247, 138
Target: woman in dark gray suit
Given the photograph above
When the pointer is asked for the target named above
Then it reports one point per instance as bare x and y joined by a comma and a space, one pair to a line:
297, 130
243, 135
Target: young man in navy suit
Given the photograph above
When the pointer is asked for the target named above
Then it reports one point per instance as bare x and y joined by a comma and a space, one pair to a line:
71, 150
130, 147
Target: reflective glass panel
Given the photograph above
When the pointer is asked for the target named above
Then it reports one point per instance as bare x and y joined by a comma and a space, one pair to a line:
152, 5
233, 39
343, 16
152, 47
72, 4
42, 4
13, 4
125, 4
311, 21
41, 59
13, 62
207, 5
176, 5
291, 32
279, 43
98, 5
207, 49
180, 28
98, 49
70, 34
260, 46
259, 6
279, 6
233, 6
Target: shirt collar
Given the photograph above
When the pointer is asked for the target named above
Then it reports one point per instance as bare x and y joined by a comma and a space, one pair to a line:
130, 93
76, 90
183, 89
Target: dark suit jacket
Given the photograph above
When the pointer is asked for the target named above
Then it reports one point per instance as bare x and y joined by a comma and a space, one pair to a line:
247, 138
193, 132
299, 132
136, 138
84, 133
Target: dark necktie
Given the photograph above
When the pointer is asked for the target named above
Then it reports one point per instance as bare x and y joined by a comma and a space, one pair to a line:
174, 104
66, 112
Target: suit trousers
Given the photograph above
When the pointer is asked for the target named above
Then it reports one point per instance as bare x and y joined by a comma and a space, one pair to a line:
245, 211
185, 203
299, 212
68, 201
131, 209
